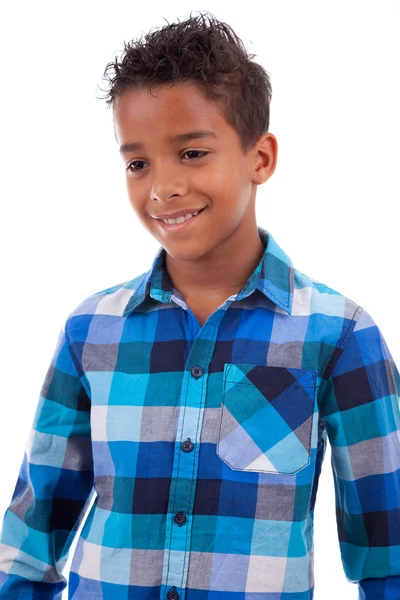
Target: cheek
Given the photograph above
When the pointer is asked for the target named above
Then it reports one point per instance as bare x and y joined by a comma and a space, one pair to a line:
138, 205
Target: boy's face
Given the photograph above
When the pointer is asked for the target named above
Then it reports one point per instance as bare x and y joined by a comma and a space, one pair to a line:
165, 176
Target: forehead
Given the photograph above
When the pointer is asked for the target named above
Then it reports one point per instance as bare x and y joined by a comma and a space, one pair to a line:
165, 110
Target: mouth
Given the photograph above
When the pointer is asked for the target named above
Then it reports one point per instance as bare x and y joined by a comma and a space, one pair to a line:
179, 226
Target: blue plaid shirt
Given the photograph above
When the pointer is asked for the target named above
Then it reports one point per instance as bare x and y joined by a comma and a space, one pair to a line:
204, 446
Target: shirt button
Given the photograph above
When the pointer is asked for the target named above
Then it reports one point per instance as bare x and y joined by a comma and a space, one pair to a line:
187, 446
197, 371
172, 594
180, 518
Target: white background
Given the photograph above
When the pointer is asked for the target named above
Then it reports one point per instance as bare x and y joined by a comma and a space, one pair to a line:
67, 228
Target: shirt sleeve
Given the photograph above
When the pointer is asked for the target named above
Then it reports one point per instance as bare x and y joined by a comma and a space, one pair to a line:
361, 409
54, 486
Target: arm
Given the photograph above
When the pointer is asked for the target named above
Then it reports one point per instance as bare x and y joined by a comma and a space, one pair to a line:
360, 406
54, 487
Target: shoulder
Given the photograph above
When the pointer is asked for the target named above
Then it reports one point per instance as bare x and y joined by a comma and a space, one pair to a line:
332, 314
108, 304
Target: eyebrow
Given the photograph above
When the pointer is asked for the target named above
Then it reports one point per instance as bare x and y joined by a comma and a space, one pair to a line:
178, 137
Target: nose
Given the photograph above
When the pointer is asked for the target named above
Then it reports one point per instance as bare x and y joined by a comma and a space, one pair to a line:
167, 181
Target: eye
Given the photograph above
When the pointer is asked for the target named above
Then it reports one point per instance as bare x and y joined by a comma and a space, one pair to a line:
201, 152
198, 152
128, 168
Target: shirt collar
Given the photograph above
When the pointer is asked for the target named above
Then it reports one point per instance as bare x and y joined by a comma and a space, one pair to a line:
273, 276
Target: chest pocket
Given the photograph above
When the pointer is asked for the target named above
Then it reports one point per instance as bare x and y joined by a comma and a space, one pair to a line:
266, 418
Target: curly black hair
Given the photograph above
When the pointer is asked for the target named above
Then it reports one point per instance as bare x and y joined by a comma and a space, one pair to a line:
207, 53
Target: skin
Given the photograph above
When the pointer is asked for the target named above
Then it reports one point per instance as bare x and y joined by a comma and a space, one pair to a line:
215, 255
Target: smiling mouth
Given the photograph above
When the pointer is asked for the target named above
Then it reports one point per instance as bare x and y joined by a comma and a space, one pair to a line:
193, 215
179, 226
181, 213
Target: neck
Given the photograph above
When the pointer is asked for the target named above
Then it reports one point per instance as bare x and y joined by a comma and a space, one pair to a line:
219, 273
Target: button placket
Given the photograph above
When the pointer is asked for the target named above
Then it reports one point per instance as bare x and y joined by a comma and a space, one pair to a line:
187, 446
196, 371
172, 594
180, 518
184, 468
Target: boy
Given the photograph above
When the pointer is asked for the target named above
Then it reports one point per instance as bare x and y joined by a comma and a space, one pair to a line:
197, 398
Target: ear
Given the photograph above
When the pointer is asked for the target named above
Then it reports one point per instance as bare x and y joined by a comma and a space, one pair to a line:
265, 157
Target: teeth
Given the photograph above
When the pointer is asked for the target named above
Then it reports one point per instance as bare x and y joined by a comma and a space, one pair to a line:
181, 219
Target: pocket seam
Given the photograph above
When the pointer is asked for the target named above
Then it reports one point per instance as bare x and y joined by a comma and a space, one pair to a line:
294, 387
313, 373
